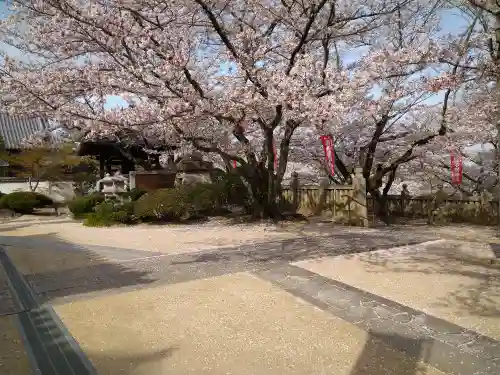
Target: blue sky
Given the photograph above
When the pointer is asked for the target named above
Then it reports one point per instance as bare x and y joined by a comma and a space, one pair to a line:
114, 101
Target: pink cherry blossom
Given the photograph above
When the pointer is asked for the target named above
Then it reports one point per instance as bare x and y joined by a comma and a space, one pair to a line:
288, 81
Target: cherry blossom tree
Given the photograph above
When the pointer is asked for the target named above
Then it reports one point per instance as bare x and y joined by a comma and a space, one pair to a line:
409, 115
413, 131
234, 78
478, 111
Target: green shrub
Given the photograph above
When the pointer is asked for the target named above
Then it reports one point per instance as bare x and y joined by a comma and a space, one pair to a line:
25, 202
187, 201
162, 205
135, 194
459, 212
232, 190
204, 199
124, 213
82, 206
109, 213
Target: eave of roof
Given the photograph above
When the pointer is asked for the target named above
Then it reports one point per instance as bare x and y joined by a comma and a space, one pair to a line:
14, 129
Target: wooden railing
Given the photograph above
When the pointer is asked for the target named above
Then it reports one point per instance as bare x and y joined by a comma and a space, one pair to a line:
336, 198
457, 210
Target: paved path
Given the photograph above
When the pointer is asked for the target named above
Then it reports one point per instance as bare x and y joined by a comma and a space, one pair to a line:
73, 304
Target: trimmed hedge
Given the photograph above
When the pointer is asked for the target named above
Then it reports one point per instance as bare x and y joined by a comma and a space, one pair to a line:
24, 201
82, 206
135, 194
108, 213
178, 203
161, 205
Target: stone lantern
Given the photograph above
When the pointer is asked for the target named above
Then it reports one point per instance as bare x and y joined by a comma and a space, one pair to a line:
192, 169
113, 187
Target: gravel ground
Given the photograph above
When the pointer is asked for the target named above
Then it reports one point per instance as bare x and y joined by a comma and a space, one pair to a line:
164, 238
216, 234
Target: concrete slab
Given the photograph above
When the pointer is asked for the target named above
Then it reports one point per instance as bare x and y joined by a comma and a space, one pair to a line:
452, 280
44, 259
13, 358
235, 324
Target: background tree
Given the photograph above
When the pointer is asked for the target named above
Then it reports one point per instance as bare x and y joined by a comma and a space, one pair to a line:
54, 164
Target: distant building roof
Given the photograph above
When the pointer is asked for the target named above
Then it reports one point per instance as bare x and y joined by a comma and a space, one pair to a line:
14, 129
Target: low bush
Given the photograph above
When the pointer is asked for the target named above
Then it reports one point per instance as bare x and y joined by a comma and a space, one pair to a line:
135, 194
204, 199
82, 206
183, 202
25, 202
110, 213
232, 189
463, 213
161, 205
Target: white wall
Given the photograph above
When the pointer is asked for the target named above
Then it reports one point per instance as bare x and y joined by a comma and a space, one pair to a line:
58, 191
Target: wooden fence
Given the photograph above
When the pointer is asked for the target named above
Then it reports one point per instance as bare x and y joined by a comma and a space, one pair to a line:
343, 203
313, 199
474, 211
349, 203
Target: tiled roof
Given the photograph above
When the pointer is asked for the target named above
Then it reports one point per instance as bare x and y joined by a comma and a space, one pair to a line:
14, 129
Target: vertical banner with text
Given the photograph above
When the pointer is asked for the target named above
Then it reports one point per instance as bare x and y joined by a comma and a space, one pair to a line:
327, 141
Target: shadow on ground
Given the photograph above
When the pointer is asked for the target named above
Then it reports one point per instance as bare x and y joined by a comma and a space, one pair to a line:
307, 247
79, 269
56, 268
379, 358
72, 269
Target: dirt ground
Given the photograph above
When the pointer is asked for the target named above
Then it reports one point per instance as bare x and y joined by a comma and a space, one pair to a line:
163, 238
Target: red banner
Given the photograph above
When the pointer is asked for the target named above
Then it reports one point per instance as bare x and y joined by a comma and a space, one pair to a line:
456, 168
327, 141
234, 164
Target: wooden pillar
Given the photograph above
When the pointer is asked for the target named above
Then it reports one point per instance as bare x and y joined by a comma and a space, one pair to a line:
108, 166
101, 165
127, 166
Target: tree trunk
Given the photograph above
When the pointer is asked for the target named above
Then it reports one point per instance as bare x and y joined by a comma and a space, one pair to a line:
30, 184
380, 206
263, 191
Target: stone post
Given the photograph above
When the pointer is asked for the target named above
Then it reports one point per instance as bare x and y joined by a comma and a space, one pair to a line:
131, 180
405, 195
359, 197
323, 191
294, 187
